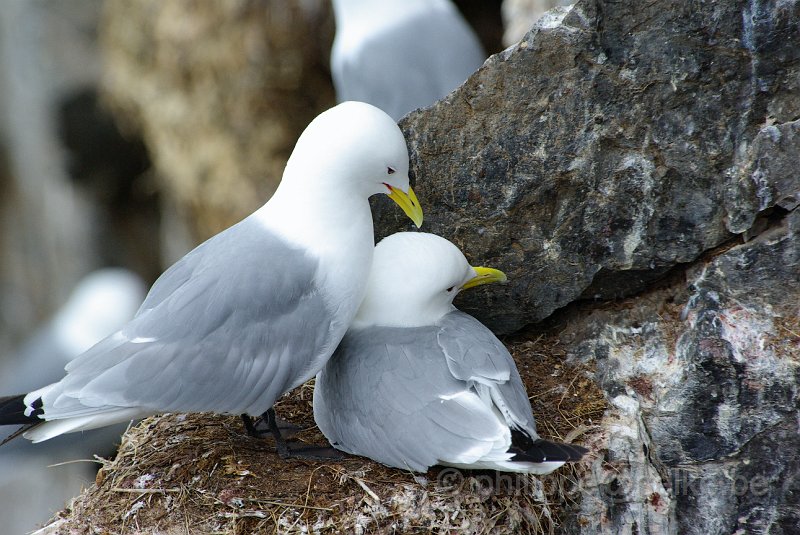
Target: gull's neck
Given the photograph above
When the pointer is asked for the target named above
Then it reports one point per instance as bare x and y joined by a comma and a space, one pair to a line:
335, 228
399, 313
318, 218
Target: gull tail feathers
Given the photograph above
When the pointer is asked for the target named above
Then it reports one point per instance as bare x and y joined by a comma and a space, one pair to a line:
53, 428
13, 411
528, 450
527, 456
539, 457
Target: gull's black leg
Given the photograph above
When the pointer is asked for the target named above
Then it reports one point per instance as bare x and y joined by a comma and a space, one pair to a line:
297, 450
272, 424
288, 450
285, 428
250, 427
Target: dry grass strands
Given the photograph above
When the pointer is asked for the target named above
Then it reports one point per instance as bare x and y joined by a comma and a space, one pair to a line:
203, 474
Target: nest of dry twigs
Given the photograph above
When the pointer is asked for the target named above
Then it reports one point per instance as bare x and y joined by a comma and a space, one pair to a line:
203, 474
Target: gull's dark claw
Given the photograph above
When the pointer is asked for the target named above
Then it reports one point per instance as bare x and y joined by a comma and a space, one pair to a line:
286, 429
280, 430
250, 427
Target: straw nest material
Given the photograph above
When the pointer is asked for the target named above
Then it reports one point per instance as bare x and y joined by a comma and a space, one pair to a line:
200, 473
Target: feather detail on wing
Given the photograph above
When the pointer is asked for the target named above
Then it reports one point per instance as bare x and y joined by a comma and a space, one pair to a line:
388, 394
445, 394
212, 335
474, 354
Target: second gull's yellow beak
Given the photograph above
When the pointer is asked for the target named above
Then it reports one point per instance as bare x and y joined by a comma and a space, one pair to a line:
408, 202
485, 275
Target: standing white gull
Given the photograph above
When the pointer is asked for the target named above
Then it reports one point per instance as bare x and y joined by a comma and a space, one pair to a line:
257, 309
415, 382
400, 55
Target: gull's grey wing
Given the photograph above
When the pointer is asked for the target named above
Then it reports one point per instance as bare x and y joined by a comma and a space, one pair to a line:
388, 394
410, 66
474, 354
229, 328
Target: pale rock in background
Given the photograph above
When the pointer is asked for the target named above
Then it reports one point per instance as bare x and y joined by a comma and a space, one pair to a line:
519, 16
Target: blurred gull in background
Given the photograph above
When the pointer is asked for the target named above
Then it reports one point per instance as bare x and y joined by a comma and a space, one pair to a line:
100, 304
400, 55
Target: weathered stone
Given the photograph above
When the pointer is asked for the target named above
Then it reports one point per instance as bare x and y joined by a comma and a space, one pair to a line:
602, 151
703, 378
520, 15
769, 177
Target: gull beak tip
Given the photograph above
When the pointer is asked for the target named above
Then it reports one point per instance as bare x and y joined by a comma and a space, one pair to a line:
409, 203
485, 275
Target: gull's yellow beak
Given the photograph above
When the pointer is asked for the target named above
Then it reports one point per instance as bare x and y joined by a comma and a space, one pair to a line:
485, 276
408, 203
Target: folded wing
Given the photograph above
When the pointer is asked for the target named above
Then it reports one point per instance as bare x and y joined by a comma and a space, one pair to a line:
228, 328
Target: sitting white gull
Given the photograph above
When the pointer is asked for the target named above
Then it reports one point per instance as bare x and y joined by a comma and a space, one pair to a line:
415, 382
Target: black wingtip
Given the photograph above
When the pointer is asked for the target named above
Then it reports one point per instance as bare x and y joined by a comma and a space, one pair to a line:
12, 411
19, 432
539, 451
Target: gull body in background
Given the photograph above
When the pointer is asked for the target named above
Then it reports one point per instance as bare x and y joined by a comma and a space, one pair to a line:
257, 309
416, 383
400, 55
101, 303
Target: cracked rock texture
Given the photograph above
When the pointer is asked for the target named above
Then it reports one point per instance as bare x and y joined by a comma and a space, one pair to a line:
613, 143
703, 433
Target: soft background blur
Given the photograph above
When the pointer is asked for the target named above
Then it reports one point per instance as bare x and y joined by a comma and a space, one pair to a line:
124, 140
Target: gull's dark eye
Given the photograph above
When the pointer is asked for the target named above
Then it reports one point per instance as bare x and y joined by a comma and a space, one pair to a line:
450, 289
390, 170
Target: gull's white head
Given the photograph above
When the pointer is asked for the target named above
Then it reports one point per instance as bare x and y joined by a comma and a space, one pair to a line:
354, 149
415, 277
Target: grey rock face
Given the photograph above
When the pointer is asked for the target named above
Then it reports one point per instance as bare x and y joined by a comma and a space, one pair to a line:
702, 378
605, 149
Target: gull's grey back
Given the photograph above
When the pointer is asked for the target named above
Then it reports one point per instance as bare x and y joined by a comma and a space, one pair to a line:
391, 393
228, 328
